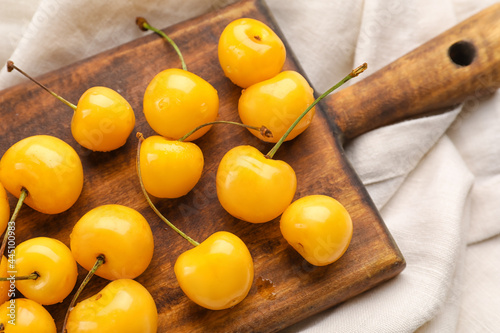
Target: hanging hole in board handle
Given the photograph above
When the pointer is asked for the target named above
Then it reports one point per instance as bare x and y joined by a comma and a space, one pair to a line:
462, 53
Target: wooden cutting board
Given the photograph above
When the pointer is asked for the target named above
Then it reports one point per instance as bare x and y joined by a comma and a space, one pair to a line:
286, 288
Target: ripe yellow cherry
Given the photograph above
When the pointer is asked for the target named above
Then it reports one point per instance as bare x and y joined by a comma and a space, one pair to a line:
54, 264
218, 273
318, 227
103, 120
23, 315
48, 168
170, 169
123, 306
119, 233
252, 187
250, 52
4, 210
176, 101
276, 103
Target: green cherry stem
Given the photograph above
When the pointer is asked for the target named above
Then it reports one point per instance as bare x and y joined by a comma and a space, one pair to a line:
145, 26
148, 199
263, 129
10, 225
32, 276
355, 72
100, 260
11, 67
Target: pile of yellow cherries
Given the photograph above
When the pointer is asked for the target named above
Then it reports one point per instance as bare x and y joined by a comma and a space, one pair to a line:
46, 173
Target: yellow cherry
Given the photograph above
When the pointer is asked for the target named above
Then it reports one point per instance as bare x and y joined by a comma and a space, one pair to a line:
103, 120
54, 265
218, 273
250, 52
23, 315
5, 291
4, 210
48, 168
170, 169
276, 103
252, 187
318, 227
176, 101
123, 306
119, 233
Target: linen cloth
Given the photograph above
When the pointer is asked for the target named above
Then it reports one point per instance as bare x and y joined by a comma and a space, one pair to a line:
435, 180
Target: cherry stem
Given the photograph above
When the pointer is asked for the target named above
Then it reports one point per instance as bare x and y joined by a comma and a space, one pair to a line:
355, 72
148, 199
11, 224
32, 276
145, 26
11, 67
264, 131
100, 260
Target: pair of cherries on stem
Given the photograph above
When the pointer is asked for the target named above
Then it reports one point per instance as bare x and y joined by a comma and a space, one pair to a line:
252, 56
114, 242
102, 119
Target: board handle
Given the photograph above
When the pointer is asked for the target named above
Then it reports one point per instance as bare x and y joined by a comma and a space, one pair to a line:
460, 65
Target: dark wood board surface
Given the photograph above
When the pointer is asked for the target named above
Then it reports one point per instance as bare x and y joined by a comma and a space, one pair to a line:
286, 288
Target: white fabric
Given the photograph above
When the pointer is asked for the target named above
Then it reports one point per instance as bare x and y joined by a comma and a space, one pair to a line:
436, 180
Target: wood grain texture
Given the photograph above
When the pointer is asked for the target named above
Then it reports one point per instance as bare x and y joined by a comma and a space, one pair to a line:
286, 288
424, 80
